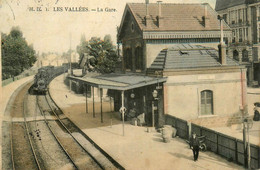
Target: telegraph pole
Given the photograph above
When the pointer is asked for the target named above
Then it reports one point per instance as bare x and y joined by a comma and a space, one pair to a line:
248, 147
1, 68
70, 72
247, 124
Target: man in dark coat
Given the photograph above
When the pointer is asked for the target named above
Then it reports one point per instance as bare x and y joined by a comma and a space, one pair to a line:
256, 112
194, 145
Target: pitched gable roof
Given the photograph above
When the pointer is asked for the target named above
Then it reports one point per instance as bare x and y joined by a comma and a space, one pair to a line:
176, 17
183, 56
223, 4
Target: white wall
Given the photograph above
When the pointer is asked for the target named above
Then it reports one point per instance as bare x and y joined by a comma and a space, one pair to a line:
183, 94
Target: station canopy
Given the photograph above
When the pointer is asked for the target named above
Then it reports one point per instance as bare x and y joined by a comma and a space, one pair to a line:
117, 81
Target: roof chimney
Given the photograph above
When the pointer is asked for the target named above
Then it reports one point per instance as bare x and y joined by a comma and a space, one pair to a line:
159, 8
159, 17
222, 46
205, 17
147, 10
147, 18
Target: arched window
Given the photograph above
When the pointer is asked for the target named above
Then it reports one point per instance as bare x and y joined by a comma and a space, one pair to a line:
139, 58
206, 102
235, 55
245, 56
128, 58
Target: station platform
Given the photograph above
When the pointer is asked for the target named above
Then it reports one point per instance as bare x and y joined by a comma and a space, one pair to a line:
138, 148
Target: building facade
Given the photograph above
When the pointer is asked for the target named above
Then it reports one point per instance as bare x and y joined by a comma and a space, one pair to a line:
199, 86
147, 28
243, 17
179, 41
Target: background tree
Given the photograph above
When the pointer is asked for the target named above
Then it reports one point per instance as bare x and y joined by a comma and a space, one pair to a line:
104, 54
17, 55
82, 48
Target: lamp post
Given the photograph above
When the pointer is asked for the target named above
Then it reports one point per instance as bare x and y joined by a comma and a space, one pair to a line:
247, 124
123, 110
132, 96
155, 96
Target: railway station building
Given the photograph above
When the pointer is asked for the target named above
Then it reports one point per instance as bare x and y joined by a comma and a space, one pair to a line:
171, 65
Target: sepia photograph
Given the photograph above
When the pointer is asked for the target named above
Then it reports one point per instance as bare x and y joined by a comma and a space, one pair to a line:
129, 84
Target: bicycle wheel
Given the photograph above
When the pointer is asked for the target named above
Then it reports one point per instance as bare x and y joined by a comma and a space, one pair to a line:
203, 147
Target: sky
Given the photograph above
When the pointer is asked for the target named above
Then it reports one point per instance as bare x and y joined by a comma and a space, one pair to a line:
52, 28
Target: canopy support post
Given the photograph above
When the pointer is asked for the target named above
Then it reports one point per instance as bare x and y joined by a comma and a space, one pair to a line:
123, 110
101, 94
94, 115
86, 98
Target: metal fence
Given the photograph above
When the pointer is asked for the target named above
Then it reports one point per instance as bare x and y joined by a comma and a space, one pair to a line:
226, 146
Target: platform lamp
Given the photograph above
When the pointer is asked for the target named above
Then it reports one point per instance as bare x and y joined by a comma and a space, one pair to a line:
157, 74
132, 95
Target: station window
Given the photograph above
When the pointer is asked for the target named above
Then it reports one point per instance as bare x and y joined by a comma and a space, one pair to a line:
128, 58
139, 58
206, 102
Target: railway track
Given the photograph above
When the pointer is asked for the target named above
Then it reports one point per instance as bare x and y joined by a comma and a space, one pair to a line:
112, 163
68, 150
42, 137
16, 148
77, 137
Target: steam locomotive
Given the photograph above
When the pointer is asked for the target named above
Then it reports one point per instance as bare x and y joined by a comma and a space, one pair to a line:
44, 77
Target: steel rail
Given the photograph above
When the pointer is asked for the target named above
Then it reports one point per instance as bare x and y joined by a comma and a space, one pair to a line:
114, 162
56, 138
58, 118
11, 143
27, 132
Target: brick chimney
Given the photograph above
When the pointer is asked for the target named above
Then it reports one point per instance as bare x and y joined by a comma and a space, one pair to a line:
205, 18
147, 18
222, 46
159, 17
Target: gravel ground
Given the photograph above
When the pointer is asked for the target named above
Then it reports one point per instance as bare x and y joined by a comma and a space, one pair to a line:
80, 157
88, 146
93, 151
47, 150
82, 160
84, 142
17, 106
50, 152
23, 157
6, 150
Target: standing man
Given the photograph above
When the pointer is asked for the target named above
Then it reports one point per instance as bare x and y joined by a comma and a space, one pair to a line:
194, 145
256, 112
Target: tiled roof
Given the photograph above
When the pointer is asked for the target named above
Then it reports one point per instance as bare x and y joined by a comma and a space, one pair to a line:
223, 4
176, 17
183, 56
